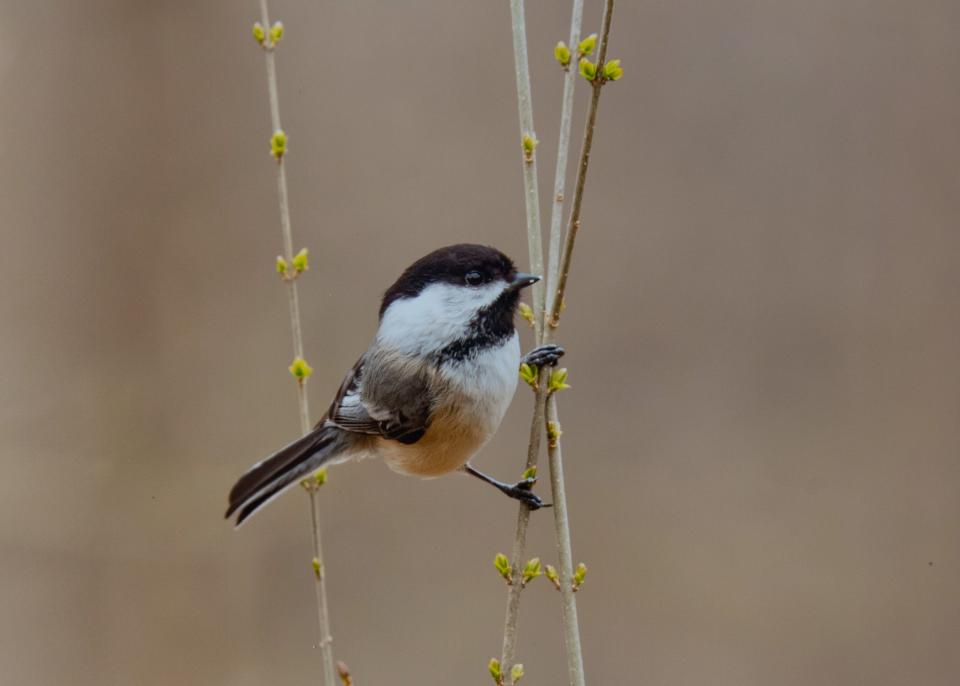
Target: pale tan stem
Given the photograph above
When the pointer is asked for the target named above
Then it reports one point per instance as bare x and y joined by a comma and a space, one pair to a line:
531, 190
560, 173
534, 239
571, 625
573, 226
561, 519
293, 300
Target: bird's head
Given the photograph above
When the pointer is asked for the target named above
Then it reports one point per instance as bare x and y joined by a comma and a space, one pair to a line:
462, 292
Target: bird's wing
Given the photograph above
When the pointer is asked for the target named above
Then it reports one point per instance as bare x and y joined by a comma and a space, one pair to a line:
351, 412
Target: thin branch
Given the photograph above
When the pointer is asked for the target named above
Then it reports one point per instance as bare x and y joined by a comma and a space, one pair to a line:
571, 622
527, 133
563, 149
508, 655
294, 305
573, 227
561, 518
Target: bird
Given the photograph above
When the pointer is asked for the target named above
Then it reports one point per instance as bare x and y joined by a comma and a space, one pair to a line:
432, 387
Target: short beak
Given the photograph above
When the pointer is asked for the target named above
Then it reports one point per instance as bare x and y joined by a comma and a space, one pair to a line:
522, 280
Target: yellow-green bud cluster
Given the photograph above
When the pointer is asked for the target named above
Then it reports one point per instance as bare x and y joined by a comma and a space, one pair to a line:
579, 576
553, 433
562, 54
276, 32
558, 380
526, 312
300, 370
529, 145
259, 34
502, 564
278, 144
531, 570
587, 45
494, 668
300, 264
528, 372
612, 71
551, 573
344, 673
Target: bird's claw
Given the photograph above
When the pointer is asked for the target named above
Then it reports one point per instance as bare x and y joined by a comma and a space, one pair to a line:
544, 355
522, 491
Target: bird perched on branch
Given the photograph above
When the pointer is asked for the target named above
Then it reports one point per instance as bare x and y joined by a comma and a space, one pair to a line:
432, 387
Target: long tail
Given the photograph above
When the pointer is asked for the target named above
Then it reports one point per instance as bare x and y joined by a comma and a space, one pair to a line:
268, 478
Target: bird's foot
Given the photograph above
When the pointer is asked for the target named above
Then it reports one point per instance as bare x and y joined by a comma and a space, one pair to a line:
544, 355
523, 491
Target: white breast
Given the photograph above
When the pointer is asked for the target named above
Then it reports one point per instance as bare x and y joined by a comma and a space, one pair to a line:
487, 381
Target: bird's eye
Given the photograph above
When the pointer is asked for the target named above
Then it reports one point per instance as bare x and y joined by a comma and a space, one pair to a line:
473, 278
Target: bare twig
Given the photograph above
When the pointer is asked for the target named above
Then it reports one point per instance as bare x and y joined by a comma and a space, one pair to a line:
563, 148
560, 513
559, 268
573, 226
528, 140
542, 332
269, 44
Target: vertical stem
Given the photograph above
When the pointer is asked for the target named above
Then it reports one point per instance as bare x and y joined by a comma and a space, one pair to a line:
534, 239
571, 626
320, 588
573, 227
535, 245
509, 652
563, 149
571, 622
293, 300
531, 191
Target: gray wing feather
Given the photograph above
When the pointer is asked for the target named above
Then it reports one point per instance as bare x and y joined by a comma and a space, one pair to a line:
397, 407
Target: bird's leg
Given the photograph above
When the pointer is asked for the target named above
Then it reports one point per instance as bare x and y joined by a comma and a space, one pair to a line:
544, 356
520, 491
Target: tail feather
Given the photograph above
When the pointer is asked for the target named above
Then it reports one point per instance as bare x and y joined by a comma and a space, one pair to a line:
266, 479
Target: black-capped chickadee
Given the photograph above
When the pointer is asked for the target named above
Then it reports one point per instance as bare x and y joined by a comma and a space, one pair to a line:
432, 387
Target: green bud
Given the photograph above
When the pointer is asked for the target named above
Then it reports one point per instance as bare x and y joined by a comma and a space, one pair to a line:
516, 673
317, 569
282, 266
300, 369
530, 472
300, 261
494, 667
259, 34
320, 477
502, 565
531, 570
588, 69
562, 54
276, 32
553, 433
528, 372
526, 312
551, 573
579, 575
529, 145
612, 70
558, 380
278, 144
344, 673
587, 45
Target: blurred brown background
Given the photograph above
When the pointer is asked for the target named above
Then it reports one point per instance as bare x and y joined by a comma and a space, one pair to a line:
763, 325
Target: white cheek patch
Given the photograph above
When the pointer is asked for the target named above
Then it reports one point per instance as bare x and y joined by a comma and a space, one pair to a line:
436, 317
